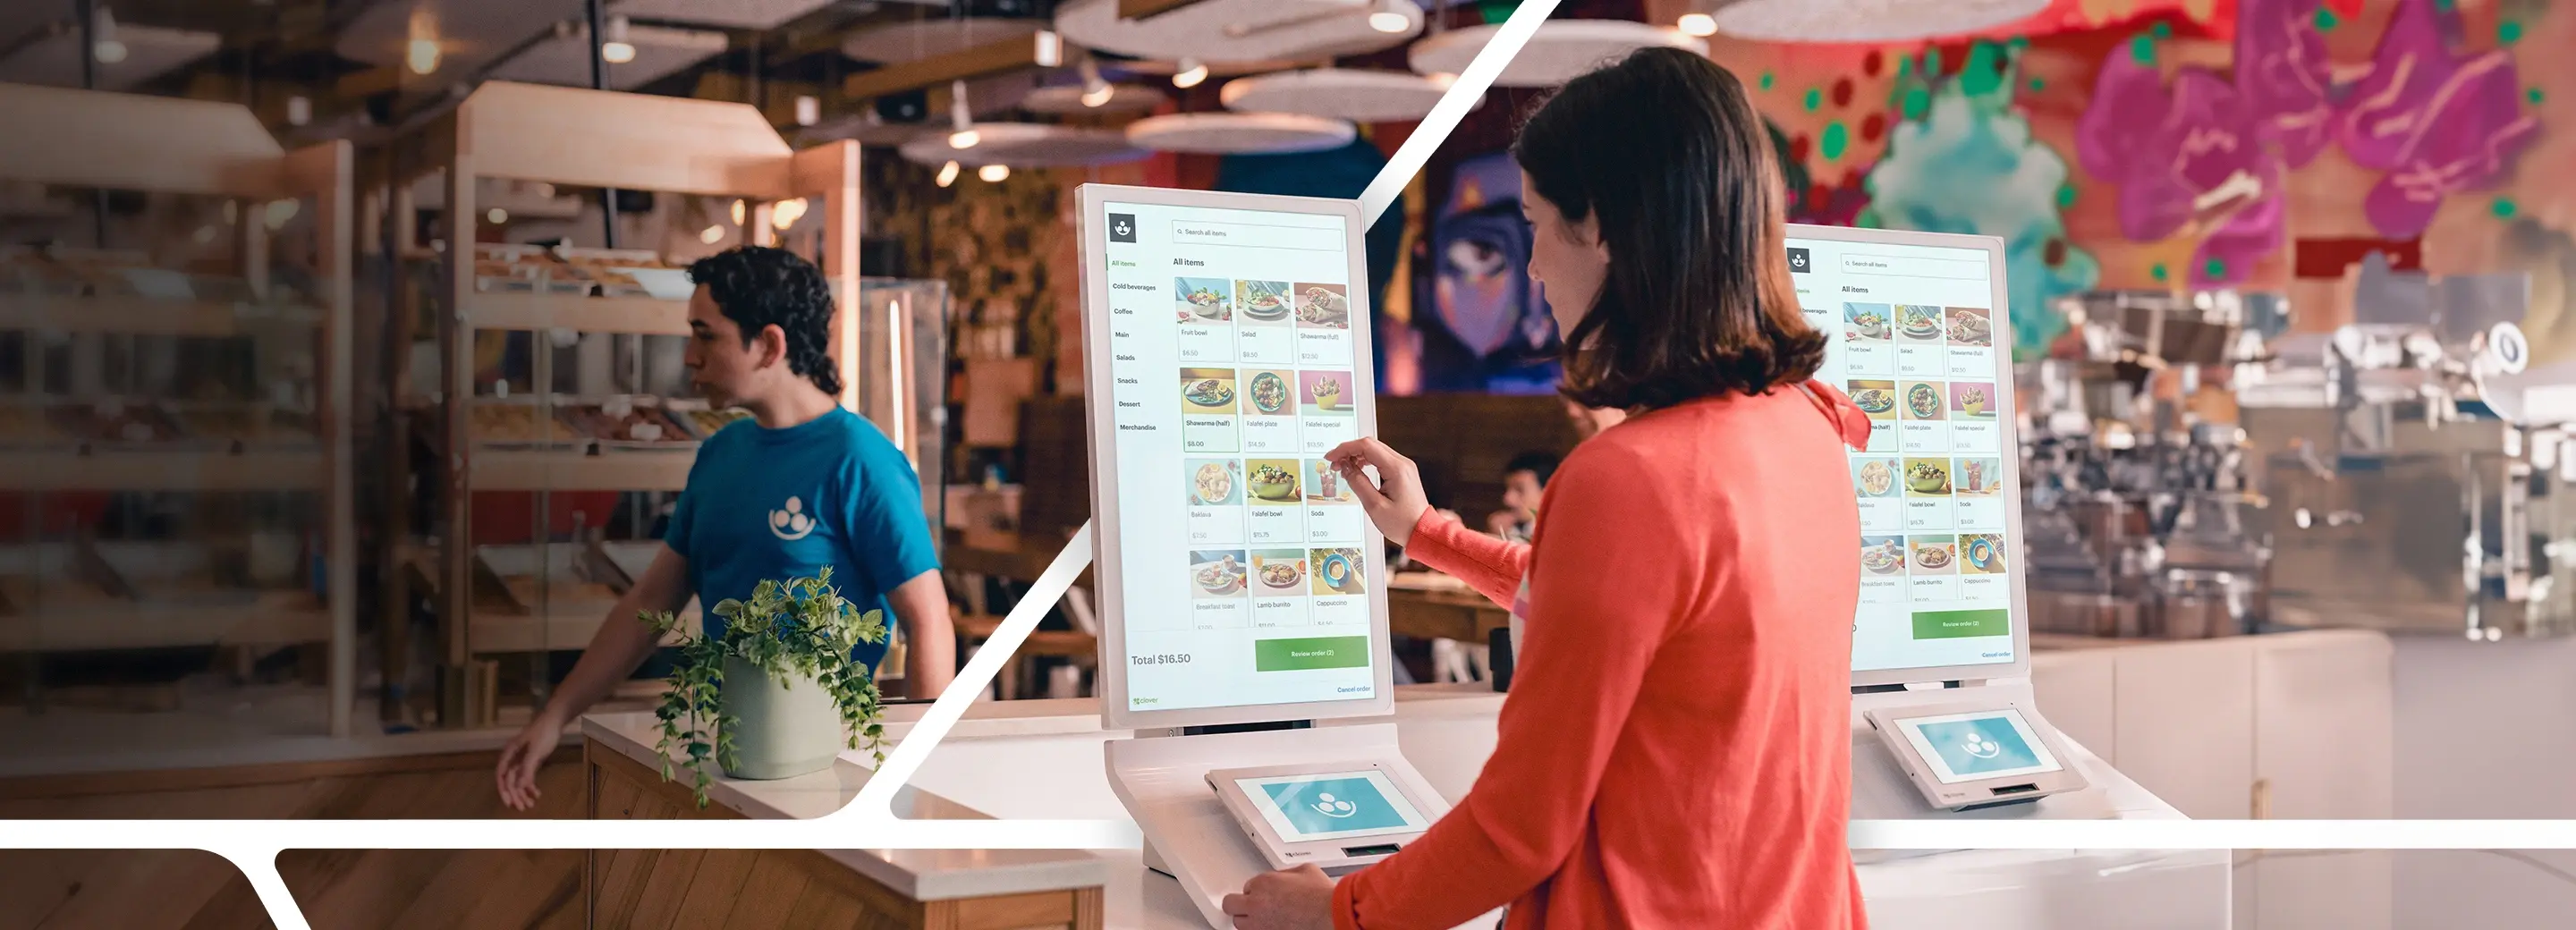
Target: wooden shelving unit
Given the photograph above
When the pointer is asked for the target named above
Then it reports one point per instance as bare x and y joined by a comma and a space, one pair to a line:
584, 139
169, 146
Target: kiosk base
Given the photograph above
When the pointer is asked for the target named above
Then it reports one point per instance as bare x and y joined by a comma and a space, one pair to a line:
1881, 790
1190, 836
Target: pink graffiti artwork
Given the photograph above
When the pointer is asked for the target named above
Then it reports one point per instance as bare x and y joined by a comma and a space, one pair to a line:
2208, 154
2282, 69
2436, 122
2204, 162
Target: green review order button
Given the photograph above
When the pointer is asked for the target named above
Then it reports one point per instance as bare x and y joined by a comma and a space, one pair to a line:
1288, 655
1957, 624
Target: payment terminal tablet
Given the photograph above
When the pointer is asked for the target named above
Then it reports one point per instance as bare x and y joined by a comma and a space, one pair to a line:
1966, 756
1333, 815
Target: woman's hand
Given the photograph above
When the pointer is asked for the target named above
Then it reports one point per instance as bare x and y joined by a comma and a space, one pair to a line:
1297, 899
516, 775
1395, 502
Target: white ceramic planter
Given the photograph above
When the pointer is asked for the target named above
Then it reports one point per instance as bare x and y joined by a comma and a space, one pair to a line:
783, 728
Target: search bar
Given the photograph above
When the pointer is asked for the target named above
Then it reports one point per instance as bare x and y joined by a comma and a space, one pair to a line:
1916, 266
1256, 236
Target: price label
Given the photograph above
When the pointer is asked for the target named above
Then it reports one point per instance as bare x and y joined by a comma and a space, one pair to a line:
1166, 658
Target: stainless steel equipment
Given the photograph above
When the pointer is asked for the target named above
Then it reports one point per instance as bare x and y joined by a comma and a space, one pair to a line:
2134, 521
2400, 499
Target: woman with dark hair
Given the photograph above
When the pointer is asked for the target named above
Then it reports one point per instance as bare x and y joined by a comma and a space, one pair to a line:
1676, 747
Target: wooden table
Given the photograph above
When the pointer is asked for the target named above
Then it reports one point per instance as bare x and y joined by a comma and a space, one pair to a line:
790, 887
1443, 614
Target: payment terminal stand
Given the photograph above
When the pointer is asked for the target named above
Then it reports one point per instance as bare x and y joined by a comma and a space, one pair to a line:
1211, 847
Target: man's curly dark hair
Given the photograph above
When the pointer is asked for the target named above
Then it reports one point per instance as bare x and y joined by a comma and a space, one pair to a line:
757, 286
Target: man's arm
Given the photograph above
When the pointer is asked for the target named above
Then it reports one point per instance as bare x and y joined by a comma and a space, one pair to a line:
930, 651
620, 646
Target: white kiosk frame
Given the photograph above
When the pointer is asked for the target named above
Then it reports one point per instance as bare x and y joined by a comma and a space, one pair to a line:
1190, 834
1103, 437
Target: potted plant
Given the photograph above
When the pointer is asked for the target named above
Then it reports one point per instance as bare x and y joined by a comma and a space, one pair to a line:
777, 694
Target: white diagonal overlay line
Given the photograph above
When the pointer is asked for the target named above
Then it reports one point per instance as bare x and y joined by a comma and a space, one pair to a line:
253, 845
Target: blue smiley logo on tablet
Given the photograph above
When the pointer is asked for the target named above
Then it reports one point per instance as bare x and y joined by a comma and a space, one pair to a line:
1978, 746
1333, 805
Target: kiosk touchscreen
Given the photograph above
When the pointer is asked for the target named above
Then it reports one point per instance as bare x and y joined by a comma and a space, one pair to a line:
1240, 583
1921, 339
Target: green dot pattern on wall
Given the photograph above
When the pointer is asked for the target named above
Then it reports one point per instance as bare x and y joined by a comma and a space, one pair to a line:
2037, 85
2535, 95
2066, 195
2508, 32
1768, 79
1835, 141
2326, 20
1932, 63
2215, 269
2142, 49
2504, 209
1904, 65
1815, 99
2157, 271
2161, 30
2018, 43
1918, 101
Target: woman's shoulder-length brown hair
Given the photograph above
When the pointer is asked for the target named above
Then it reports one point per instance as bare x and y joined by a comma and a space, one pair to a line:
1665, 149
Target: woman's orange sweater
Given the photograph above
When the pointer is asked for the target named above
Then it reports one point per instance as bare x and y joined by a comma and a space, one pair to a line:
1676, 748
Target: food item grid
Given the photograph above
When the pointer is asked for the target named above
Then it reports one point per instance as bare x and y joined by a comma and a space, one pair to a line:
1272, 522
1934, 555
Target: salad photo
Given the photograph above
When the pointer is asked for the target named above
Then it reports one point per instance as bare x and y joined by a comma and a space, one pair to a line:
1262, 301
1920, 323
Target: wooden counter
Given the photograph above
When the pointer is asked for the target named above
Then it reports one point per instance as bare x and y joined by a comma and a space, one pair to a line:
945, 889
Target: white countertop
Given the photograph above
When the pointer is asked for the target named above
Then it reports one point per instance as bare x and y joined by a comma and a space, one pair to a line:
920, 874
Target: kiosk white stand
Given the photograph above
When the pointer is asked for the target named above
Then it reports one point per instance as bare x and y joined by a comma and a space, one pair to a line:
1944, 723
1240, 584
1241, 592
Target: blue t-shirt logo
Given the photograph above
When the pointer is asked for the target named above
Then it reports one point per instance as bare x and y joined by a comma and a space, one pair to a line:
791, 522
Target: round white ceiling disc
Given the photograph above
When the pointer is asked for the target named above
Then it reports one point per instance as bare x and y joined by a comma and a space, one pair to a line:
1066, 100
1867, 20
1560, 50
1026, 145
1239, 133
923, 38
1239, 30
1338, 93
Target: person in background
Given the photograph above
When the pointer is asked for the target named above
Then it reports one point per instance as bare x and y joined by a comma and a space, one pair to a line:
1524, 479
1675, 750
801, 485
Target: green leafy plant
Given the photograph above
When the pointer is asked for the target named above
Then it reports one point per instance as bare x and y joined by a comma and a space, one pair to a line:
797, 629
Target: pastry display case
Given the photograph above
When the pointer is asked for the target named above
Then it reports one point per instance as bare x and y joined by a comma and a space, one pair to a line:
554, 414
174, 424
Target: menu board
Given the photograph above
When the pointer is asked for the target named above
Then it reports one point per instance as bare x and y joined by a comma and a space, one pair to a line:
1233, 366
1921, 348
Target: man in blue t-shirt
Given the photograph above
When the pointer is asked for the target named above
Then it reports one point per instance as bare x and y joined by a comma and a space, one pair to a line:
800, 485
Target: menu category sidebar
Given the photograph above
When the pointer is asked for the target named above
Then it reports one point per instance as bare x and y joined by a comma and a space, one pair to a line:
1246, 380
1913, 344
